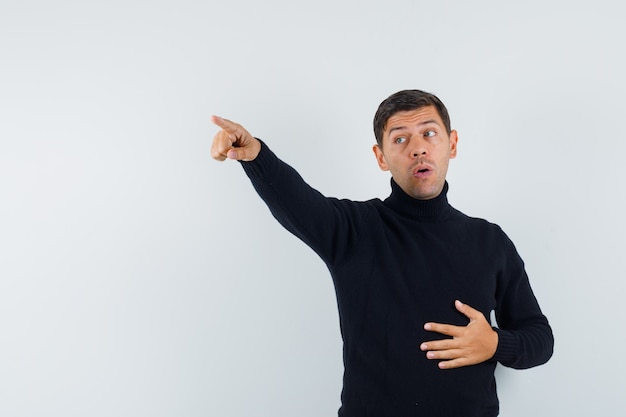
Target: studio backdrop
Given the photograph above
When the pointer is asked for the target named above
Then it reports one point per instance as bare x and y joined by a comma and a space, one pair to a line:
139, 277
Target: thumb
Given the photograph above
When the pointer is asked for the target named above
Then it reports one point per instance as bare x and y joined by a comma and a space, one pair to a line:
244, 153
232, 154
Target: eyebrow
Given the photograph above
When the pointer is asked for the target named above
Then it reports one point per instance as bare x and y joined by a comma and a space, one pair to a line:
425, 122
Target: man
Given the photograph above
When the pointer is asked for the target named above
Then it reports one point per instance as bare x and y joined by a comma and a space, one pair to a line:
416, 280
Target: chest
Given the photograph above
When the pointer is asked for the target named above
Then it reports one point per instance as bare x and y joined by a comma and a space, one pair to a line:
420, 270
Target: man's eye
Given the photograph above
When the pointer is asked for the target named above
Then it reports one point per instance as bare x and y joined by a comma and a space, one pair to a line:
400, 139
429, 133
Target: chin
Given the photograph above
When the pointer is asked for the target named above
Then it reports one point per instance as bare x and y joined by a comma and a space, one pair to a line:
425, 196
426, 193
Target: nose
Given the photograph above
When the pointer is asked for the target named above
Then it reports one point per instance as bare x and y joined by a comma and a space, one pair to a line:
418, 148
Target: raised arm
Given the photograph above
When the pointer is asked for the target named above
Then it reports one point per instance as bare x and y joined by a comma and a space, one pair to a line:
328, 225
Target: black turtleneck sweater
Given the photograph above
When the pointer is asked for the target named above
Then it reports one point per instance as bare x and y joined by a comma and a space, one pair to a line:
397, 264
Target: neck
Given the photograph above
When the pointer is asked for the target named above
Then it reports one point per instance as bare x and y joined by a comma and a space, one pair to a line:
435, 209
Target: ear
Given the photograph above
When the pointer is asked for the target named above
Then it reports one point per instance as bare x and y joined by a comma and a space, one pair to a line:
454, 139
380, 157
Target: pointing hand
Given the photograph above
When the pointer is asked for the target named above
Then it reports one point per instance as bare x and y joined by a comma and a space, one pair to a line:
233, 142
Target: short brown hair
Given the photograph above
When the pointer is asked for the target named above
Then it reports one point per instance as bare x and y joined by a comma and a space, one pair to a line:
403, 101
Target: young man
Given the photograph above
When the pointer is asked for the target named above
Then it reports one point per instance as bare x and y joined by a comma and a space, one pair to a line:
416, 280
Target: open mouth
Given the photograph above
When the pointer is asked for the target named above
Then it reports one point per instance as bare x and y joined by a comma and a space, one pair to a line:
422, 172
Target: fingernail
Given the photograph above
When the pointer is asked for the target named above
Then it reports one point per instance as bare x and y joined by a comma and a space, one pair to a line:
427, 326
424, 346
430, 355
232, 154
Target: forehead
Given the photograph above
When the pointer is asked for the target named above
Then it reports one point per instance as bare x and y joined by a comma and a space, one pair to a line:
411, 118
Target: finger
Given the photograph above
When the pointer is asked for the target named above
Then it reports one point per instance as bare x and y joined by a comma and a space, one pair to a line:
450, 354
468, 311
227, 125
447, 329
221, 145
230, 154
445, 344
223, 148
453, 363
246, 153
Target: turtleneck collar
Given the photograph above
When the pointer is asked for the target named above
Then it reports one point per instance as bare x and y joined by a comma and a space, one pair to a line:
433, 210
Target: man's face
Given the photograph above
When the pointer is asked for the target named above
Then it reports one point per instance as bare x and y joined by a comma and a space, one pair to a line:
416, 150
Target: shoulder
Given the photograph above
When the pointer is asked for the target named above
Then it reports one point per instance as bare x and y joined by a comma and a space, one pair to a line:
363, 207
477, 222
480, 227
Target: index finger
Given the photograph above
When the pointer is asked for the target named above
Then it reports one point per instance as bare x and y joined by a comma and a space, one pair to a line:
225, 124
470, 312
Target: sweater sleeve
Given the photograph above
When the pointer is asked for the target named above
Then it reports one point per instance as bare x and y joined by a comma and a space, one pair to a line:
525, 337
328, 225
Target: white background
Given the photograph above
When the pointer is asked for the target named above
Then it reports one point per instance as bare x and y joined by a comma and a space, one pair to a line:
138, 277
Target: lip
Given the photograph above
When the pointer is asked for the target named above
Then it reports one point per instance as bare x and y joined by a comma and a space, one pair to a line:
422, 171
